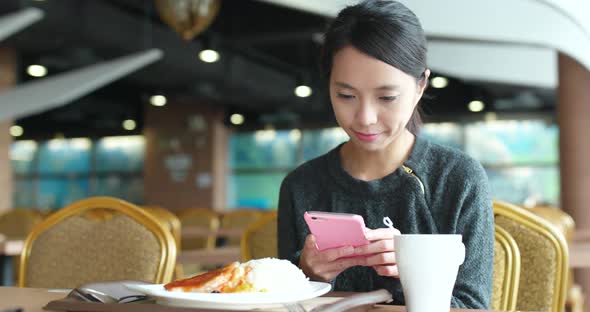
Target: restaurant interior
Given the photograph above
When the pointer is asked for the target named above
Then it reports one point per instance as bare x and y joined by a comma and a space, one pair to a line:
186, 115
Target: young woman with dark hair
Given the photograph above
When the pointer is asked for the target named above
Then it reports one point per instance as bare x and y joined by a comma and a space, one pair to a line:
374, 59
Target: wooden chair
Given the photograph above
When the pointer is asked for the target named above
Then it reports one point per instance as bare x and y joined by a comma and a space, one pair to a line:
544, 258
97, 239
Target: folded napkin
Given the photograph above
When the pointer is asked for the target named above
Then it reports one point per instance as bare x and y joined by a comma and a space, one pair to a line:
106, 292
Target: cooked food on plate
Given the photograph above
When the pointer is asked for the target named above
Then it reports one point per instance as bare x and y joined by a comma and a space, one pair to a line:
259, 275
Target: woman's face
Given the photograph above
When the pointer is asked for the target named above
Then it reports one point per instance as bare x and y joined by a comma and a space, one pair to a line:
372, 100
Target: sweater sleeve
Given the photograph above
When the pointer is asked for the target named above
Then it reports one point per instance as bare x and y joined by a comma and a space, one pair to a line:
473, 288
288, 244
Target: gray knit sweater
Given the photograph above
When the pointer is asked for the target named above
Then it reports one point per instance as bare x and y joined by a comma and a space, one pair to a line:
439, 190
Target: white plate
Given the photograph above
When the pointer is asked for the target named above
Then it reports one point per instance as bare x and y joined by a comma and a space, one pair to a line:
234, 301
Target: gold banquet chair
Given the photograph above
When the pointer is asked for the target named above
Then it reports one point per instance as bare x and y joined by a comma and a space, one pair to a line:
97, 239
172, 223
200, 219
260, 238
199, 231
18, 223
506, 271
574, 301
544, 258
169, 219
239, 220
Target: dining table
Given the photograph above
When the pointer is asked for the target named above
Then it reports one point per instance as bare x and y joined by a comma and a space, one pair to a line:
34, 299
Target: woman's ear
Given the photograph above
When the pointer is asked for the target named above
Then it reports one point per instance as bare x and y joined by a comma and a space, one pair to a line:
423, 82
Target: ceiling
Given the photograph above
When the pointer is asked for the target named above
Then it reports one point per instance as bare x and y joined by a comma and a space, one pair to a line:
265, 51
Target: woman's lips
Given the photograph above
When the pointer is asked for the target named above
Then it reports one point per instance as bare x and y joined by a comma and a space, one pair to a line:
366, 137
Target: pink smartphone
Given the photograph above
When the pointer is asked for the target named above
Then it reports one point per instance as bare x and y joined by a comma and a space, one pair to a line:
334, 229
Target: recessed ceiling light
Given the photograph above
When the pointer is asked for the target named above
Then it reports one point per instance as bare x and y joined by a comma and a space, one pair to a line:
439, 82
37, 70
158, 100
129, 124
303, 91
209, 56
16, 131
476, 106
236, 119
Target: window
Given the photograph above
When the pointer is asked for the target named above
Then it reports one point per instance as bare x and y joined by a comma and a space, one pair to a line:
520, 158
259, 161
55, 173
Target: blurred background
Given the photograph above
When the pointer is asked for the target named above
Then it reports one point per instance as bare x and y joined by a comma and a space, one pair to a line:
96, 144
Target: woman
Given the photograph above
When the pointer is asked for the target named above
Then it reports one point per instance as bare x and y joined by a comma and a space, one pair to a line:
375, 58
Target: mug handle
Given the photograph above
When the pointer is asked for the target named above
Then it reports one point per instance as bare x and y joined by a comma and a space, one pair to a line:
461, 253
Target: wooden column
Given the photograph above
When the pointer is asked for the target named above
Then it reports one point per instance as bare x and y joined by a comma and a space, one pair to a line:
186, 155
7, 81
574, 147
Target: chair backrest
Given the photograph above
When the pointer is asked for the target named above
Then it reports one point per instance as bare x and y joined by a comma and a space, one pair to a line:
566, 225
172, 224
506, 271
97, 239
260, 238
170, 220
18, 223
558, 218
544, 258
239, 220
199, 218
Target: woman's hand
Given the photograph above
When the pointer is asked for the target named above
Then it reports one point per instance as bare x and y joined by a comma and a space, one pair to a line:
325, 265
380, 252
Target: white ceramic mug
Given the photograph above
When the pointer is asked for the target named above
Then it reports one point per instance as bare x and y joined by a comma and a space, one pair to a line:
428, 266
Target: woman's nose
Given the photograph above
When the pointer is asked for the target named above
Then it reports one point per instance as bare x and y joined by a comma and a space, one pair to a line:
366, 114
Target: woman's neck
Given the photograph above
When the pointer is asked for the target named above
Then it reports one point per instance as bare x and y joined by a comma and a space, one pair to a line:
371, 165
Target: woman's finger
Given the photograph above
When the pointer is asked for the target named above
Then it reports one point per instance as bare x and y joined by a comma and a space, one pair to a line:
385, 245
381, 233
310, 242
384, 258
387, 270
330, 255
341, 264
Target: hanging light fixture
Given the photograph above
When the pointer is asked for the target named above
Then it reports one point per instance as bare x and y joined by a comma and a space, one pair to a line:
188, 17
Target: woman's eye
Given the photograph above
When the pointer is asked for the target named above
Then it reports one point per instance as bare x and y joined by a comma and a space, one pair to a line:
388, 98
345, 96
